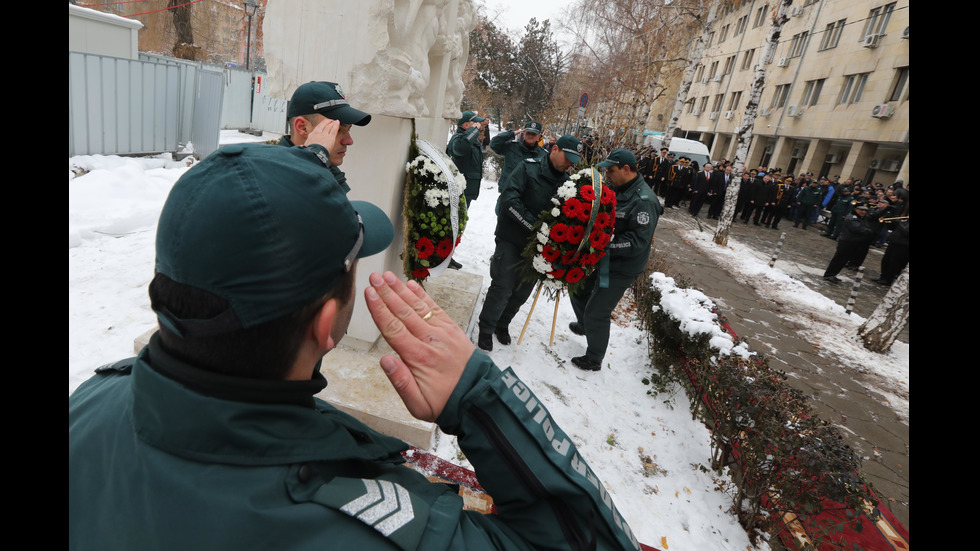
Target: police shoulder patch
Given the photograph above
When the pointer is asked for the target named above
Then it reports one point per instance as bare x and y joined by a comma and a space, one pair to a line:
643, 218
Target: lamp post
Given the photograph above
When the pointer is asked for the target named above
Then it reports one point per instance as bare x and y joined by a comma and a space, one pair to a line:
250, 8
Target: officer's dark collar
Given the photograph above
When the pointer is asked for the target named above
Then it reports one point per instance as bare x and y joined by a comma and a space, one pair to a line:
227, 387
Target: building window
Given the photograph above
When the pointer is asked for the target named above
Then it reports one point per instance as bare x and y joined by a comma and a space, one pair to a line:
719, 101
798, 44
690, 107
878, 20
853, 88
811, 93
711, 38
901, 79
760, 17
779, 98
862, 81
699, 75
741, 25
713, 71
703, 104
724, 34
747, 59
729, 65
734, 100
831, 34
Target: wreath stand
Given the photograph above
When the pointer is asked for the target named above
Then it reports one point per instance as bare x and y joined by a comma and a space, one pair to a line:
554, 317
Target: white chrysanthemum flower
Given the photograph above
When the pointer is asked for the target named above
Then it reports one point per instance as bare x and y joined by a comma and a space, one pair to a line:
540, 248
566, 193
543, 233
555, 201
540, 264
432, 198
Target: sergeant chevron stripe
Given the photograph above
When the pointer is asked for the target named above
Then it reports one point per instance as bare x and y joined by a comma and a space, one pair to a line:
385, 506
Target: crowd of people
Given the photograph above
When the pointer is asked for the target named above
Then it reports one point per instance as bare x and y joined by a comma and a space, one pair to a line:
858, 215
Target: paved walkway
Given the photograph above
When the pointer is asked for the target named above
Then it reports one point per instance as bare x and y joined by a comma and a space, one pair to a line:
842, 394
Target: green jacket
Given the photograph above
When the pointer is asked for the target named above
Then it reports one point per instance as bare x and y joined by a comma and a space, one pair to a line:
163, 455
513, 151
334, 170
527, 192
467, 153
637, 212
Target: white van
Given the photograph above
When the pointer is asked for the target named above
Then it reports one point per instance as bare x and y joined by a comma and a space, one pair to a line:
694, 149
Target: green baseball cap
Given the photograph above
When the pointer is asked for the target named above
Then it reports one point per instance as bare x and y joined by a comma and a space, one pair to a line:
619, 157
533, 127
572, 147
468, 116
266, 228
327, 99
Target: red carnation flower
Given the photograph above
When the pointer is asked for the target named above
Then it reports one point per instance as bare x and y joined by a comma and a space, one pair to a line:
568, 257
421, 273
608, 197
575, 234
559, 233
445, 248
599, 240
424, 247
550, 253
558, 274
573, 208
575, 275
587, 193
603, 220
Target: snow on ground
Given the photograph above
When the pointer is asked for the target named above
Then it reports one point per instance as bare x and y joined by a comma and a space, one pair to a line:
648, 453
825, 321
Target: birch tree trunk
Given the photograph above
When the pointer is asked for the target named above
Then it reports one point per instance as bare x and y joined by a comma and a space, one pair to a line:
685, 88
745, 130
889, 318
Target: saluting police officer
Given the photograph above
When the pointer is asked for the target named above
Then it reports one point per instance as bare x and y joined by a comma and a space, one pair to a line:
517, 146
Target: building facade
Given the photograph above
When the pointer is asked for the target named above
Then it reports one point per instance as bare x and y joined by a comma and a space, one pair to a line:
836, 99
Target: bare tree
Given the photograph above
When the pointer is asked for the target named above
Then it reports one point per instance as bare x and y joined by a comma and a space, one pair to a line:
889, 318
184, 47
745, 130
696, 53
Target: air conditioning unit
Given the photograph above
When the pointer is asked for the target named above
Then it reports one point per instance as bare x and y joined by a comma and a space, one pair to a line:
882, 111
718, 78
797, 10
713, 115
783, 62
696, 112
794, 111
905, 33
892, 166
872, 40
729, 115
765, 112
875, 164
832, 158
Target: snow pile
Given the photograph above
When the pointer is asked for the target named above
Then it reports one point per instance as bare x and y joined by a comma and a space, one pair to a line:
693, 310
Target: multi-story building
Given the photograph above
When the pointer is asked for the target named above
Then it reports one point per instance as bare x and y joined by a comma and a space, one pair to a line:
836, 98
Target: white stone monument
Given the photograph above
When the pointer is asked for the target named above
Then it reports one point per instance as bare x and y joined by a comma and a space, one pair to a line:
398, 60
401, 61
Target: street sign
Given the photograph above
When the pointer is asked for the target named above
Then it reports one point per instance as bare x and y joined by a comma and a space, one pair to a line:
584, 100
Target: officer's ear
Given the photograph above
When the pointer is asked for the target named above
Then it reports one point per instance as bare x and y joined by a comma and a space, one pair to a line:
322, 327
300, 127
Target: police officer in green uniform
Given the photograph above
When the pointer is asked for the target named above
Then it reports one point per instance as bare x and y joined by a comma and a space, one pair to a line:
517, 146
528, 191
311, 104
212, 438
637, 213
467, 152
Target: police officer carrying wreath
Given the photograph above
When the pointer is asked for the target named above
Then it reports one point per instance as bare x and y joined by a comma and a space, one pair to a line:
527, 192
637, 213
